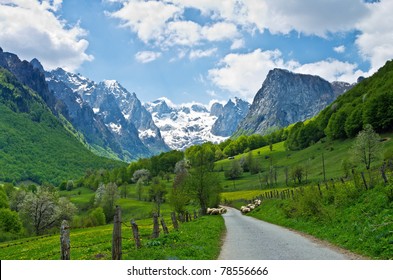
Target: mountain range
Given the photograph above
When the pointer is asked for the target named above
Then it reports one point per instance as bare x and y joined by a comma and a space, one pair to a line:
113, 122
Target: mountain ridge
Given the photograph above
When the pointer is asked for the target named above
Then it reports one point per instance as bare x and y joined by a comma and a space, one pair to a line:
286, 98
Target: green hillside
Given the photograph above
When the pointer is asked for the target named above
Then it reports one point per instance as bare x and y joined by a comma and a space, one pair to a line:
369, 102
34, 144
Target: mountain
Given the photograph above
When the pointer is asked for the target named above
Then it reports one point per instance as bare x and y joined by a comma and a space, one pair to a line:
229, 116
28, 75
183, 126
35, 144
341, 87
133, 111
126, 119
83, 118
286, 98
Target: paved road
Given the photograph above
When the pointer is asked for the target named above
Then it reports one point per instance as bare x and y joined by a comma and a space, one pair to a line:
248, 238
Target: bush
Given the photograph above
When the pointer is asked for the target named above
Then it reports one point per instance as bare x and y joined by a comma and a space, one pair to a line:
9, 221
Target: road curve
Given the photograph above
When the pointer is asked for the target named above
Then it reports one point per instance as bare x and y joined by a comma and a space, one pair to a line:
248, 238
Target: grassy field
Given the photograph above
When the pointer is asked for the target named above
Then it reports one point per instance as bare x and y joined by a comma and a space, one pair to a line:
198, 239
310, 159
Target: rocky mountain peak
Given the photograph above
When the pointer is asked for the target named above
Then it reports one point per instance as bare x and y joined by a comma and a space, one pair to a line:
37, 65
232, 113
285, 98
216, 109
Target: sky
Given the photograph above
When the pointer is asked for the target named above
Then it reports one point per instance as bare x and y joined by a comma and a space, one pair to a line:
200, 50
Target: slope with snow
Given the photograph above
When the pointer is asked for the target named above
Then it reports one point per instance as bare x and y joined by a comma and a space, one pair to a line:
183, 125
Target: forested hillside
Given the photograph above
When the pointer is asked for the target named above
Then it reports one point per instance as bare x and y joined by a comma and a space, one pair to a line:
369, 102
34, 144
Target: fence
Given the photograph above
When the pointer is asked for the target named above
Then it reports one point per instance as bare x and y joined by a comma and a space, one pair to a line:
361, 180
117, 238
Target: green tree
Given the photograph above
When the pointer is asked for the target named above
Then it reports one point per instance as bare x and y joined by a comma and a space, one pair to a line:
111, 195
157, 192
139, 189
3, 199
367, 147
9, 221
179, 196
297, 174
106, 197
378, 111
236, 171
203, 184
354, 122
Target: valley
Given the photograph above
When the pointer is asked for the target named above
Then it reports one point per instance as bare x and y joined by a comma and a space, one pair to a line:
80, 148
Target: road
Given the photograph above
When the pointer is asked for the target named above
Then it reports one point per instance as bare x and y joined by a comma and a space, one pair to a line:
248, 238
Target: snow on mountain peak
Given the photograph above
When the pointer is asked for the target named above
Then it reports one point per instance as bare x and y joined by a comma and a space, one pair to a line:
111, 83
183, 125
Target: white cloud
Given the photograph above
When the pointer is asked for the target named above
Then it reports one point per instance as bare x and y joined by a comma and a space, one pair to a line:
183, 33
238, 44
376, 39
309, 16
162, 23
339, 49
194, 54
147, 56
32, 29
243, 74
147, 18
220, 31
331, 70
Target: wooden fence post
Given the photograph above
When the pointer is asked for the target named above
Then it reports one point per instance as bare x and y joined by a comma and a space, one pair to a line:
174, 221
116, 237
65, 240
164, 227
135, 233
156, 226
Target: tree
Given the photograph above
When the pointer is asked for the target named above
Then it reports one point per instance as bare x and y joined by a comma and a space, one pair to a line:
297, 174
235, 171
202, 183
179, 197
39, 210
157, 193
142, 174
67, 210
3, 199
139, 189
9, 221
367, 147
106, 197
109, 200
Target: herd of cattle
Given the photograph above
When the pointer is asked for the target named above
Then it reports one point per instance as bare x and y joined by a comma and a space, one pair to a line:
244, 209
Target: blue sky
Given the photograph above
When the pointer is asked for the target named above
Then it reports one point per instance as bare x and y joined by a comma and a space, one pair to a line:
200, 50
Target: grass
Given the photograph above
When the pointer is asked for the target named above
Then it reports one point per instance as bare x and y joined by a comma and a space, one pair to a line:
310, 159
198, 239
358, 220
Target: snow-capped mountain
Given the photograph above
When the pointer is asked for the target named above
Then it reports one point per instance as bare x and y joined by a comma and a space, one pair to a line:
120, 110
183, 125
